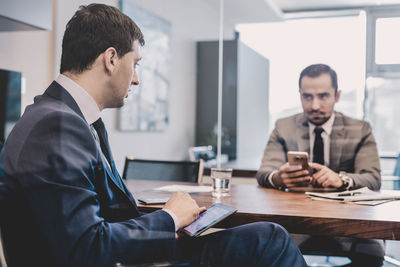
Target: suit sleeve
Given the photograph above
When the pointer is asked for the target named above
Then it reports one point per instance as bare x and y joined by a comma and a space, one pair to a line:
366, 162
55, 168
274, 157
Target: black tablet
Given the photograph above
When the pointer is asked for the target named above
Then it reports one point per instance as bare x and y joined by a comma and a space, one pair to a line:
208, 218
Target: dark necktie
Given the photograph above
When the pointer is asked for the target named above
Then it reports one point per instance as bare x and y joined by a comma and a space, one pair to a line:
103, 138
318, 151
105, 148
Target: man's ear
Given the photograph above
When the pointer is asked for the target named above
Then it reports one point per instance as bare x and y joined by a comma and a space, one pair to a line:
337, 95
110, 58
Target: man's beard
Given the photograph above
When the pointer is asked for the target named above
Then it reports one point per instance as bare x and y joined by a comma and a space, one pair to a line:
319, 120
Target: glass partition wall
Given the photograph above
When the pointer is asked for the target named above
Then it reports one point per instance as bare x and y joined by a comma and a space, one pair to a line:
362, 46
258, 91
292, 45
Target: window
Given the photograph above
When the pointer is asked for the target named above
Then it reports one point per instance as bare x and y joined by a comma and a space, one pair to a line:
387, 41
294, 44
364, 50
383, 78
383, 41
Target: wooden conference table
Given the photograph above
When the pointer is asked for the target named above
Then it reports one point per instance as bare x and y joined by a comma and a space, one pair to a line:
295, 211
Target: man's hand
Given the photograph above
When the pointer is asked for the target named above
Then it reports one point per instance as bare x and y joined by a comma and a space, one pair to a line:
184, 207
325, 177
290, 176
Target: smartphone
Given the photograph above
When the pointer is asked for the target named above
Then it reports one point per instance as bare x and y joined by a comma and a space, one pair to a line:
298, 158
208, 218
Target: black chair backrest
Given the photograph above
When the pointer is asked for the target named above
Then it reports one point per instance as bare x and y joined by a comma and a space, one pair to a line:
140, 169
2, 256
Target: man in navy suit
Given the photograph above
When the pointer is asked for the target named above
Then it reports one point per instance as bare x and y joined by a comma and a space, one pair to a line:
63, 202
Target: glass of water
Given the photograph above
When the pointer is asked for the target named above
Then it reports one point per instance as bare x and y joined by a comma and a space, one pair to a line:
221, 181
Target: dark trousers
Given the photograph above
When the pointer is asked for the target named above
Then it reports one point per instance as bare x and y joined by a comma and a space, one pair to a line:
361, 252
256, 244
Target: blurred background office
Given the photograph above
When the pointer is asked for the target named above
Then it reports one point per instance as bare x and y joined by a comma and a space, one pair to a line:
267, 44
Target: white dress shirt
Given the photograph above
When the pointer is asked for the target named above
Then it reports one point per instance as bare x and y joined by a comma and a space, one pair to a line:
91, 112
86, 103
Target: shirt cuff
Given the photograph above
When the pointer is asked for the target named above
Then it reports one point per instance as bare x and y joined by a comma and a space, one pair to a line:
351, 183
173, 216
270, 178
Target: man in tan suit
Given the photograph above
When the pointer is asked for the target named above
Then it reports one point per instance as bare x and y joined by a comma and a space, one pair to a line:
342, 150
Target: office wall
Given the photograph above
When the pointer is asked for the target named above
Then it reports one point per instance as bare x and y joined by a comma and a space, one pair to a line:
37, 54
253, 108
191, 20
30, 52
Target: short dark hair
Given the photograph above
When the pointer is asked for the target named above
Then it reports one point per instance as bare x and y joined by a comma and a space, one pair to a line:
92, 30
316, 70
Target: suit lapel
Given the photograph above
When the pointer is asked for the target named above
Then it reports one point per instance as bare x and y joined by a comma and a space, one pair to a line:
56, 91
336, 146
124, 187
303, 135
114, 176
111, 171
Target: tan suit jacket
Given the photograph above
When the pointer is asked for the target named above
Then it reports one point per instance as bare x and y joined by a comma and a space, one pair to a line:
352, 149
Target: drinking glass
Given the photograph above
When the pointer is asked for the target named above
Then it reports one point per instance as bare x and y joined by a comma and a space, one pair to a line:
221, 181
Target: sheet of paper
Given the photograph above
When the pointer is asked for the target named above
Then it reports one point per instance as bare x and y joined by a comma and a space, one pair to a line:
362, 194
366, 202
184, 188
370, 202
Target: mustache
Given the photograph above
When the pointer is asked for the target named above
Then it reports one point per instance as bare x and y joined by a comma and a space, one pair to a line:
316, 112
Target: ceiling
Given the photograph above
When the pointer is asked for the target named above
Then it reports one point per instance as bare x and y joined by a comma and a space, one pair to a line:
307, 5
248, 11
254, 11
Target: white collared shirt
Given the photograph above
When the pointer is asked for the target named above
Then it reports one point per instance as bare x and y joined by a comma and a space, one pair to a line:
85, 102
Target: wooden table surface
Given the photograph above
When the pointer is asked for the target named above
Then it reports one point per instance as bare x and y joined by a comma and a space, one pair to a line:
296, 212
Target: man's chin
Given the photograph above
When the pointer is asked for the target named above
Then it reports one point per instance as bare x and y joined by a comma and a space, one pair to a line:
317, 120
121, 104
117, 104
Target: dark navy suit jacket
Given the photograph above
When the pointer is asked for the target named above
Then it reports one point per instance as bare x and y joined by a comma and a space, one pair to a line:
61, 204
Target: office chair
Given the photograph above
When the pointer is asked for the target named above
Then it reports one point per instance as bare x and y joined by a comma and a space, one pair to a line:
326, 259
2, 254
201, 152
393, 183
390, 180
396, 171
184, 171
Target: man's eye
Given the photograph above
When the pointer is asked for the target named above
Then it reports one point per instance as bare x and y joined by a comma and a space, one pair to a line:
324, 96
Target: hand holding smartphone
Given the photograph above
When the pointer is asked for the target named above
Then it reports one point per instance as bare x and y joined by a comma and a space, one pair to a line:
292, 176
298, 158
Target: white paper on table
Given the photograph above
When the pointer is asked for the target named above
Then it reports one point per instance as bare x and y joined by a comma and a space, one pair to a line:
362, 194
366, 202
184, 188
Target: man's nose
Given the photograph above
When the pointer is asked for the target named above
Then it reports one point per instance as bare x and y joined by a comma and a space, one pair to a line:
135, 79
315, 104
